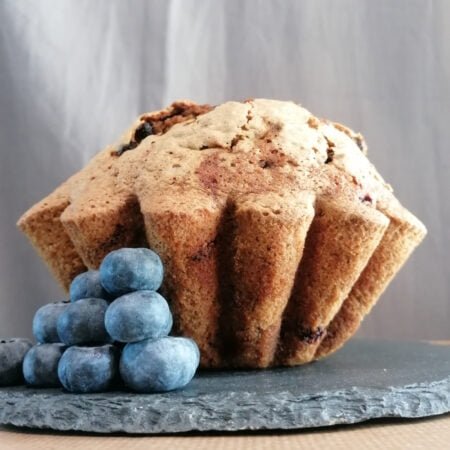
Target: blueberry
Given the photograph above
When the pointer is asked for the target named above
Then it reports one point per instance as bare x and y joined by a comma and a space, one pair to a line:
12, 352
83, 322
45, 319
89, 369
87, 285
142, 131
157, 365
137, 316
40, 365
131, 269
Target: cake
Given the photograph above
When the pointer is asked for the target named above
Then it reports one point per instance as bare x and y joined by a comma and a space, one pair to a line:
277, 233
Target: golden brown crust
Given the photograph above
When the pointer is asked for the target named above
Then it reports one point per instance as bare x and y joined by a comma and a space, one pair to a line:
185, 236
269, 236
341, 240
42, 224
402, 236
229, 197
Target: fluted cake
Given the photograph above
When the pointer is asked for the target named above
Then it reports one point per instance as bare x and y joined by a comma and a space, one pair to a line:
277, 233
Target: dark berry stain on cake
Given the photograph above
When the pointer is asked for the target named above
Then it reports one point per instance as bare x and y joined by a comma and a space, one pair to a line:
366, 198
209, 171
159, 123
235, 141
142, 131
204, 252
125, 147
330, 151
311, 336
330, 155
178, 112
264, 164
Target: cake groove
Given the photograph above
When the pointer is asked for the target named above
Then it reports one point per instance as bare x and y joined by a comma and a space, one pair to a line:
403, 234
263, 270
191, 283
339, 244
112, 224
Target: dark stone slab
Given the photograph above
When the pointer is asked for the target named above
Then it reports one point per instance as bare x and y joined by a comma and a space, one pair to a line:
364, 380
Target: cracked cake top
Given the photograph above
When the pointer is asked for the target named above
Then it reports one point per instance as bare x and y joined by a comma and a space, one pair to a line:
237, 147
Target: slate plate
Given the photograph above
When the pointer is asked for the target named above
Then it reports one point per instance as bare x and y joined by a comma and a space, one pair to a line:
364, 380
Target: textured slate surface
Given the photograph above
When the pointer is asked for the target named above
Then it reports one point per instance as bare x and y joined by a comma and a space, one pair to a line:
366, 379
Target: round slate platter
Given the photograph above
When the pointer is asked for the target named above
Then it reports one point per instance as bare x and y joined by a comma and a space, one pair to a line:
364, 380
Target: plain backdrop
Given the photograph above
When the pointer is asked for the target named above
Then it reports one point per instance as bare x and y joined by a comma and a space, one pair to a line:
74, 74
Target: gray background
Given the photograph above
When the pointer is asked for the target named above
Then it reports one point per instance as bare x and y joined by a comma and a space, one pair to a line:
74, 74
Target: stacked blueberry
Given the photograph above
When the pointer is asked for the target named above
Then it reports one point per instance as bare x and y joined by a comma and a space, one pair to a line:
115, 328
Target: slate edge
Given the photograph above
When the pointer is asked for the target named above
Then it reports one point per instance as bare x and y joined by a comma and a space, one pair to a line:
155, 413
